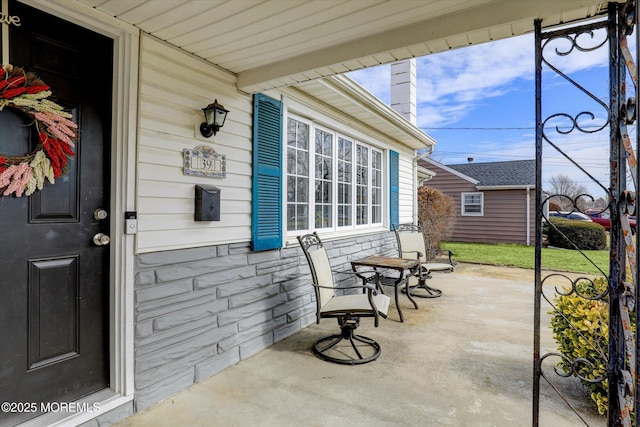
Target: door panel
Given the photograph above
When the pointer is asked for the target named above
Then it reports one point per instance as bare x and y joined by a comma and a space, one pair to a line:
54, 280
53, 329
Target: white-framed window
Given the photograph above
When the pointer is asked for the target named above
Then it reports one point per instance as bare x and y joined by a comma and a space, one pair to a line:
472, 204
333, 181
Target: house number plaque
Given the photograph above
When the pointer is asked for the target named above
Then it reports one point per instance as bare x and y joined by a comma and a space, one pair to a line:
204, 161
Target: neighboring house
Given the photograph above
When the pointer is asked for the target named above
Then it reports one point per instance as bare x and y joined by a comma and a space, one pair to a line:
112, 296
495, 201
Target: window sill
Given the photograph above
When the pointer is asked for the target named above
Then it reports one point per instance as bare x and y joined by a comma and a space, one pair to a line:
328, 236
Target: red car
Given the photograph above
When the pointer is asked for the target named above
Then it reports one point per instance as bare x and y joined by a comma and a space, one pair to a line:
604, 219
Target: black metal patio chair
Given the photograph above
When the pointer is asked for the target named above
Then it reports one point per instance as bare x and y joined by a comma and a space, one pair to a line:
411, 244
347, 309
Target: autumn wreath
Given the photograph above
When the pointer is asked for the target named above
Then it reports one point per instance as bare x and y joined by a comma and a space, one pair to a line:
27, 93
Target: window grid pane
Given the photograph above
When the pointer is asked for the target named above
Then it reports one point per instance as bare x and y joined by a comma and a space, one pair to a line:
376, 187
297, 175
362, 171
344, 181
324, 179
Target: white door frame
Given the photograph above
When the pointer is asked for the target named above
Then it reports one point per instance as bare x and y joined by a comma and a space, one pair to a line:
126, 43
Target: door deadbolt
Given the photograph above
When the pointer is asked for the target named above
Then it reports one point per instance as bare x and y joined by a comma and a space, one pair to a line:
101, 239
100, 214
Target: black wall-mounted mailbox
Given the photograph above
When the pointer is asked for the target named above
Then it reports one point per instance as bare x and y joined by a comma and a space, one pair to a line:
207, 203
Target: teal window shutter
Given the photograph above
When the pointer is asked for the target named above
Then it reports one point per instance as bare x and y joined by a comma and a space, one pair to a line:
266, 222
394, 188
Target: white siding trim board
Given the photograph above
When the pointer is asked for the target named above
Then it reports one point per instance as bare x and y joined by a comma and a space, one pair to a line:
299, 104
504, 187
451, 171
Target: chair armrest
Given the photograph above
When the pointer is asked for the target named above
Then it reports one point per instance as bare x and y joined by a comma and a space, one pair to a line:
437, 252
369, 283
356, 272
367, 286
418, 253
449, 254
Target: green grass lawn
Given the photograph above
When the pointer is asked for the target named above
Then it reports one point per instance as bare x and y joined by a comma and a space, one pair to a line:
524, 256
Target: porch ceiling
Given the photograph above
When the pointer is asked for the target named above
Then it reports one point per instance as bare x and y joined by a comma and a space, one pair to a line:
272, 43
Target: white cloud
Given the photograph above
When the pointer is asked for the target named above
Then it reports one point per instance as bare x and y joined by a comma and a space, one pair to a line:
376, 80
468, 72
455, 85
457, 81
452, 84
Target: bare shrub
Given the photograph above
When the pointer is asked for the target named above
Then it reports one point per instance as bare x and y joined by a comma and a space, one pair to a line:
436, 215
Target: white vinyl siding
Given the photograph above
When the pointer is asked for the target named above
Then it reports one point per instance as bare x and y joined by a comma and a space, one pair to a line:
407, 189
171, 99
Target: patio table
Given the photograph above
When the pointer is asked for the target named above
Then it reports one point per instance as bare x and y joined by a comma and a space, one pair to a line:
401, 265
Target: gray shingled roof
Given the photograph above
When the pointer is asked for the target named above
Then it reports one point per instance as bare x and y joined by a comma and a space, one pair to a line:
516, 172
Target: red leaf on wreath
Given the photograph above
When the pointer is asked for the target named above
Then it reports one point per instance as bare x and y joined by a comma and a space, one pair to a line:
36, 89
12, 93
15, 81
67, 150
55, 150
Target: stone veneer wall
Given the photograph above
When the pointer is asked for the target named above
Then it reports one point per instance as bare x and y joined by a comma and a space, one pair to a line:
201, 310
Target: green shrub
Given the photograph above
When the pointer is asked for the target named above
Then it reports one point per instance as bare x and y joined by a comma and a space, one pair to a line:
581, 329
584, 234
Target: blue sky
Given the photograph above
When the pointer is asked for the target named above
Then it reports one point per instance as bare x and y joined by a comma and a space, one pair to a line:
479, 102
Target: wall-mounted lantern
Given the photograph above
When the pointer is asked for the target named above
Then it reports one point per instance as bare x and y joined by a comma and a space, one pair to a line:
214, 116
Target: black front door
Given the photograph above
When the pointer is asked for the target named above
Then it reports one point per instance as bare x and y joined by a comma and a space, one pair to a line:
54, 280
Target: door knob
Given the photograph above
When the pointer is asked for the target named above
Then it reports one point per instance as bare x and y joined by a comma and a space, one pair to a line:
101, 239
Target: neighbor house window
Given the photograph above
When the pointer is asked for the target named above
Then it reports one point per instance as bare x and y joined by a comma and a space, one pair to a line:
472, 204
343, 187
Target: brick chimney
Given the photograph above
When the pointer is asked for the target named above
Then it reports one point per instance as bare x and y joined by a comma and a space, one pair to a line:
403, 88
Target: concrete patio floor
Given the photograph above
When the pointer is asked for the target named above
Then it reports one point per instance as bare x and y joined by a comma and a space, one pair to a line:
464, 359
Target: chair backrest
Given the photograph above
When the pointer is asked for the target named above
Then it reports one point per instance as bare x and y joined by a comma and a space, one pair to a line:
320, 267
410, 241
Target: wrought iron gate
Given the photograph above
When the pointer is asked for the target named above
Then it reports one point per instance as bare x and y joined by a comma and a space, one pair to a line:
610, 361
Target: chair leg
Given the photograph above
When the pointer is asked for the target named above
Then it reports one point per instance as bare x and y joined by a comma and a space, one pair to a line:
370, 349
426, 290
